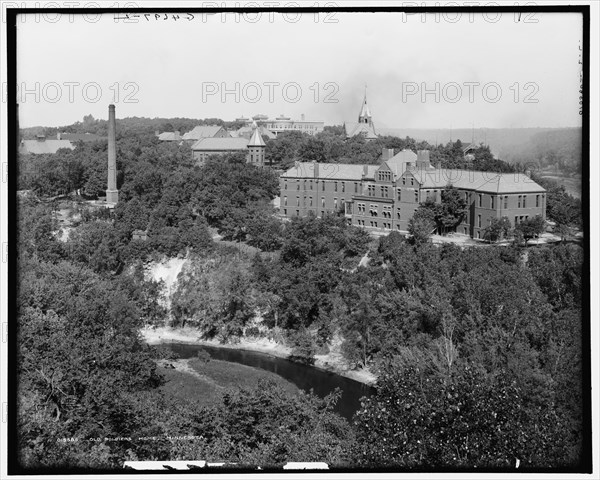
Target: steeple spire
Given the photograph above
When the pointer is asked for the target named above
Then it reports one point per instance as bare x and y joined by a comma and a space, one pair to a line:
365, 113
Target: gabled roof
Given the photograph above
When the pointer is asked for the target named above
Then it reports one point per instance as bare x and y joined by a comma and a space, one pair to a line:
256, 140
330, 171
398, 162
356, 128
37, 147
489, 182
220, 144
202, 131
248, 130
169, 137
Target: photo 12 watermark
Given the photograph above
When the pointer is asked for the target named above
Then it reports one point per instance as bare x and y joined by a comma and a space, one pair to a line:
74, 92
272, 92
454, 92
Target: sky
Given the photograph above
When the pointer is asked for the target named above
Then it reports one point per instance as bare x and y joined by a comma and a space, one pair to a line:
420, 71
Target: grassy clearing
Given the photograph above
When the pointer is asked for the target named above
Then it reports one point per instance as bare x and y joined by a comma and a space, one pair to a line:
205, 382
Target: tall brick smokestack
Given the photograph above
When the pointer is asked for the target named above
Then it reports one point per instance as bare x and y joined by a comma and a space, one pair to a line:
112, 194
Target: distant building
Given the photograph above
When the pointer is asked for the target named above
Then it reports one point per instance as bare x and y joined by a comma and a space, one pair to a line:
254, 148
364, 127
247, 131
42, 145
384, 197
170, 136
205, 131
286, 124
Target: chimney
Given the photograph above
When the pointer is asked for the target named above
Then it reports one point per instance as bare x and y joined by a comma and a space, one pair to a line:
58, 135
302, 117
316, 169
387, 153
177, 134
365, 170
112, 194
423, 159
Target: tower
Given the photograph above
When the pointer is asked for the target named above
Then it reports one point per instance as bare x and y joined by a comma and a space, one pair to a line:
112, 194
256, 148
365, 114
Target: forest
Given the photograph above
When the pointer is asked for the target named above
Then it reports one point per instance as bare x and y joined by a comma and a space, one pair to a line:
478, 351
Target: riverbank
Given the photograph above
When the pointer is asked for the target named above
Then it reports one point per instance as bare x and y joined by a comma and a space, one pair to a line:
331, 362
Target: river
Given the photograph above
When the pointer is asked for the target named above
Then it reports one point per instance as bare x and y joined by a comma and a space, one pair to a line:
302, 376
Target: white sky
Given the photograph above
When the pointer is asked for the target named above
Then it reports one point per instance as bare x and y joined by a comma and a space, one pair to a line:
166, 66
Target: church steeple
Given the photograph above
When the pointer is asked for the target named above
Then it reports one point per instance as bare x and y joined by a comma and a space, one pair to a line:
365, 113
256, 148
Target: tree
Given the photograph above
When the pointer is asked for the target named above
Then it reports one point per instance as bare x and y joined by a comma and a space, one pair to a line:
421, 225
499, 228
531, 227
419, 419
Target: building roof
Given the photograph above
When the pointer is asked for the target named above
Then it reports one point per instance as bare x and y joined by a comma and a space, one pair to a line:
220, 144
256, 140
356, 128
399, 161
364, 111
169, 136
202, 131
248, 130
489, 182
38, 147
332, 171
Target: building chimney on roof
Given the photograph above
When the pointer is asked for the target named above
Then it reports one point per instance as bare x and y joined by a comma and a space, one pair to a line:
177, 133
302, 117
423, 159
387, 153
365, 170
316, 168
112, 194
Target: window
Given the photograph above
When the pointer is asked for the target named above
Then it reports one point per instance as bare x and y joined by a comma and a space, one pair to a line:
297, 184
335, 205
399, 194
285, 200
398, 214
285, 211
480, 200
516, 221
465, 228
323, 202
505, 201
355, 187
417, 196
297, 213
285, 185
524, 201
492, 202
479, 221
519, 202
403, 181
343, 186
297, 201
323, 185
435, 195
304, 202
537, 201
311, 185
335, 186
304, 188
466, 197
310, 199
412, 181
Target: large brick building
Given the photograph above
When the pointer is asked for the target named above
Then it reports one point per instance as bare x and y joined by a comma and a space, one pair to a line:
384, 197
